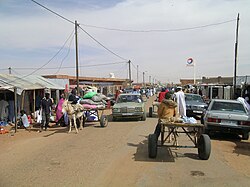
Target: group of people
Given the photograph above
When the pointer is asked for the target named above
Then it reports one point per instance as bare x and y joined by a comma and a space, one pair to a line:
46, 104
45, 109
171, 105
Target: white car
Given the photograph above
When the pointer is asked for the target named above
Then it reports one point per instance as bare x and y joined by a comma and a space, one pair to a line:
228, 116
129, 105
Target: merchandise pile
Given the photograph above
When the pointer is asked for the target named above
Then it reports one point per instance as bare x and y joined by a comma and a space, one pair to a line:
93, 100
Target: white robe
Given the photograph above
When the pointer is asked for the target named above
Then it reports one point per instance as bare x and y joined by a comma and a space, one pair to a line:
181, 103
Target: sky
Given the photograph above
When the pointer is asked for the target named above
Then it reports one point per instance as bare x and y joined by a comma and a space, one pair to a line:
156, 36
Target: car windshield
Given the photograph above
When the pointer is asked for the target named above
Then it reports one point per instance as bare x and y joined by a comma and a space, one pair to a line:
226, 106
196, 98
129, 98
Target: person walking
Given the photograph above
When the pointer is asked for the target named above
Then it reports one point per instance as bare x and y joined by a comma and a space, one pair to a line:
181, 103
46, 105
59, 113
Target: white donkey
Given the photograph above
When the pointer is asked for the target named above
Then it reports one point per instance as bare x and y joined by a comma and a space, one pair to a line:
74, 112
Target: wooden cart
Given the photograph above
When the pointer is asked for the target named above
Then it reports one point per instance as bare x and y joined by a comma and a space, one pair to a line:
99, 113
193, 131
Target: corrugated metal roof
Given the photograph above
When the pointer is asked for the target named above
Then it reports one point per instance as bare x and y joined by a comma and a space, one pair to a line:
31, 82
47, 83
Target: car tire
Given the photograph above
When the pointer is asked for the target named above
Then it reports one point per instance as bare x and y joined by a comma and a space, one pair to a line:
204, 147
144, 116
150, 112
245, 136
202, 119
152, 146
104, 121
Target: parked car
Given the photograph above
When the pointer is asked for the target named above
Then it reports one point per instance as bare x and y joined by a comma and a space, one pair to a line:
195, 105
227, 116
129, 105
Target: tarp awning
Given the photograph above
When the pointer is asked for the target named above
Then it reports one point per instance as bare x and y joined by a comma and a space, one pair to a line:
31, 82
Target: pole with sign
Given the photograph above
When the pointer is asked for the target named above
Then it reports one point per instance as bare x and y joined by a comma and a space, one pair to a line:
190, 62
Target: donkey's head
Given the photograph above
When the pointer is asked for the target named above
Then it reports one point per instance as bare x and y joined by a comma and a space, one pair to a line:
67, 107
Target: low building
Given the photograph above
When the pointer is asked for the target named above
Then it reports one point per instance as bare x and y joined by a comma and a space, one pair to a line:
221, 87
105, 85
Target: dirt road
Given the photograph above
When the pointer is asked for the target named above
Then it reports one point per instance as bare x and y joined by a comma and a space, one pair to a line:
117, 156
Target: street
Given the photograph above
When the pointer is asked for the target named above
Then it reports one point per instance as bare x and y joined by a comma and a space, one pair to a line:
117, 156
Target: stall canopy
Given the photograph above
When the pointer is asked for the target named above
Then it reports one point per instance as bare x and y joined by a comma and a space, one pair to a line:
31, 82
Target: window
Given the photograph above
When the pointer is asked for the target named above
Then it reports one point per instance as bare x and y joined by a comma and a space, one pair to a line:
226, 106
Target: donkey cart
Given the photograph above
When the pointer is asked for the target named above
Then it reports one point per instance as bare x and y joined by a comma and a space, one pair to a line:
171, 129
98, 114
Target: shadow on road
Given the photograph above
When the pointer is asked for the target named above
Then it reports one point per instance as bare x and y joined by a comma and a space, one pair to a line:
164, 154
241, 147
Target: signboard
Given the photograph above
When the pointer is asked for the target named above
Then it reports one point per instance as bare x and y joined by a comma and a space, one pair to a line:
190, 62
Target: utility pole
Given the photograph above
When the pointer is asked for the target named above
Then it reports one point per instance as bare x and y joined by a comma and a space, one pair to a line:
235, 56
137, 74
143, 78
15, 107
77, 70
9, 70
149, 79
129, 73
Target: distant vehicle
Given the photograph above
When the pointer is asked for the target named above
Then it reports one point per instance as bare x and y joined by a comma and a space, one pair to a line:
128, 90
129, 105
195, 105
227, 116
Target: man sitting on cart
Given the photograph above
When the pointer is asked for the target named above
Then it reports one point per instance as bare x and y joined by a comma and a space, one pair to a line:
166, 111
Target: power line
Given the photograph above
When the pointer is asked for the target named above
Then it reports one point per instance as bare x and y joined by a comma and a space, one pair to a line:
70, 67
80, 28
159, 30
15, 71
53, 12
65, 55
101, 44
121, 71
37, 69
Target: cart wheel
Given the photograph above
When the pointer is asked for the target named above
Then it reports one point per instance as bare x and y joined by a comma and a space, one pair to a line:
204, 147
104, 121
150, 112
152, 146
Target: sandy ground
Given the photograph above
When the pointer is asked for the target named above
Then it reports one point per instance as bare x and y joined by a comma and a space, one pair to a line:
117, 156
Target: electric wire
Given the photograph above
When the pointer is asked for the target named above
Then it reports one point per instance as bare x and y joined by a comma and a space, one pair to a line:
101, 44
16, 72
70, 67
121, 71
160, 30
152, 75
65, 55
37, 69
53, 12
